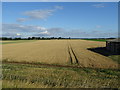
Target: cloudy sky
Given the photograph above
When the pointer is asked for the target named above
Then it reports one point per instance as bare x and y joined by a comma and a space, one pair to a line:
60, 19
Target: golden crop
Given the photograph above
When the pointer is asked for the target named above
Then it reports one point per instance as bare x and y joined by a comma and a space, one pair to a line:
63, 52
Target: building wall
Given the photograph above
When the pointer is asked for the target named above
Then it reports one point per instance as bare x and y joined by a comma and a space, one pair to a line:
113, 47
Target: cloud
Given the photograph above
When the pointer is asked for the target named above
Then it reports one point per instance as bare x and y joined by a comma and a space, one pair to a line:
59, 7
42, 34
39, 14
12, 30
18, 34
21, 19
99, 5
98, 26
92, 33
77, 33
19, 30
98, 33
56, 31
9, 34
22, 30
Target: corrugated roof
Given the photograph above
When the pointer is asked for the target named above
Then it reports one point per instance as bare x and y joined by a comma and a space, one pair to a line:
114, 40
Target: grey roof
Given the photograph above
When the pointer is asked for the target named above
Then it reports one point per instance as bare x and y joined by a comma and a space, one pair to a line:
114, 40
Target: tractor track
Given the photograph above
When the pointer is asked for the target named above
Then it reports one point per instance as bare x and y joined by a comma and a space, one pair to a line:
72, 57
76, 60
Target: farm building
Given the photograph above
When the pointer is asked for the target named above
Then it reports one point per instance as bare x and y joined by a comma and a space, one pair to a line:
113, 45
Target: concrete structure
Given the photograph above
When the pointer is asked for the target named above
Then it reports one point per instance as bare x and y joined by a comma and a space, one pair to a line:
113, 45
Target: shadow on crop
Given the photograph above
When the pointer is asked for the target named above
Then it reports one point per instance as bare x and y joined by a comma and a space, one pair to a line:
102, 51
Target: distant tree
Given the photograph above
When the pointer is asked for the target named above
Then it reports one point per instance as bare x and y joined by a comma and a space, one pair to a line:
39, 38
52, 38
43, 38
29, 38
59, 38
33, 38
5, 38
18, 38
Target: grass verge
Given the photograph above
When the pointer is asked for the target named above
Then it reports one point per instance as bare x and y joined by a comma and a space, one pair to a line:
115, 58
36, 76
16, 41
102, 40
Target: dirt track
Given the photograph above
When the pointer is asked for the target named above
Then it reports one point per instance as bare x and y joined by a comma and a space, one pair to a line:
63, 52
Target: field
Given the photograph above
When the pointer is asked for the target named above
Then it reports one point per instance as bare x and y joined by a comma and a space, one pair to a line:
102, 40
70, 60
63, 52
15, 41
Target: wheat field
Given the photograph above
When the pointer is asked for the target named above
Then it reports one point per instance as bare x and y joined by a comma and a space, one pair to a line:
61, 52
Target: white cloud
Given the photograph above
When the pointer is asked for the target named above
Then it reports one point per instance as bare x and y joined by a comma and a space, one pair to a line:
30, 30
15, 30
22, 30
59, 7
45, 32
18, 34
39, 14
41, 28
98, 26
99, 5
21, 19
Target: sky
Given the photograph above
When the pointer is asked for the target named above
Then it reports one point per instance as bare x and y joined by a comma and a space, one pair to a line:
60, 0
60, 19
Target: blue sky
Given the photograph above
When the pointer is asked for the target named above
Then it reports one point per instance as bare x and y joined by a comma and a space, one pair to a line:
60, 19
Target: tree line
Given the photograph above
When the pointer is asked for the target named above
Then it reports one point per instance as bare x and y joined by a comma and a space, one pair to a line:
32, 38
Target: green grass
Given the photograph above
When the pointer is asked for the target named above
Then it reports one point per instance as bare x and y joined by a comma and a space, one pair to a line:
115, 58
102, 40
36, 76
17, 41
